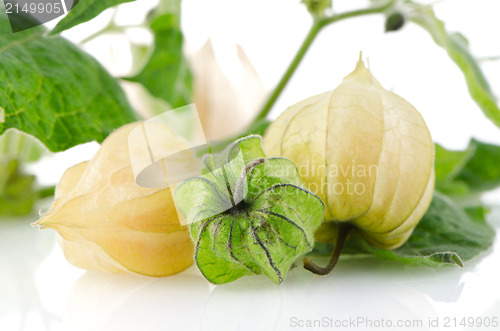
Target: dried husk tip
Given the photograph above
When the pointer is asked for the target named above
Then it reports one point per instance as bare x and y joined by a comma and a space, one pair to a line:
366, 152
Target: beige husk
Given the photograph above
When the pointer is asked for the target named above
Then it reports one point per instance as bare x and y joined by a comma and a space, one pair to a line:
108, 222
360, 136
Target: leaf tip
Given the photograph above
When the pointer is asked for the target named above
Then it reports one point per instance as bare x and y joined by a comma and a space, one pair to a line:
457, 260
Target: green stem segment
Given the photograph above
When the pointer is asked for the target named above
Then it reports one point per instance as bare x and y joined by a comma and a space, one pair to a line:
344, 229
317, 26
311, 35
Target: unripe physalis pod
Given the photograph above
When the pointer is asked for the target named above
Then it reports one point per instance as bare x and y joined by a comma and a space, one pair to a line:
108, 222
366, 152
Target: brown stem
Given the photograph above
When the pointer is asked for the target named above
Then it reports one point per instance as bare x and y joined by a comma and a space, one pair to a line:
344, 229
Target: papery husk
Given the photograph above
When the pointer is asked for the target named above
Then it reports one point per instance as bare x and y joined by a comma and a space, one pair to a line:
108, 222
360, 125
226, 107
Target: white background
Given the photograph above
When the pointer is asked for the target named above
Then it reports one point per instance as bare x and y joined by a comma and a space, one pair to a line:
39, 290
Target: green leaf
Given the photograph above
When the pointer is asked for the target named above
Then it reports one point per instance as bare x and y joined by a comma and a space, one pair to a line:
448, 163
17, 191
446, 235
167, 75
474, 170
52, 90
248, 214
84, 11
456, 46
482, 170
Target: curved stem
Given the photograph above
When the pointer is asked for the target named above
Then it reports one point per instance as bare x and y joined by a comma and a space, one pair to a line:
344, 229
311, 35
375, 10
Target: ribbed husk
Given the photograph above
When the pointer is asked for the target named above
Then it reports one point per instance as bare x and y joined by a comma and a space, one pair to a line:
360, 136
108, 222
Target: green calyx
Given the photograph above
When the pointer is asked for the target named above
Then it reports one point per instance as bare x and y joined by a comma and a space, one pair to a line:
248, 214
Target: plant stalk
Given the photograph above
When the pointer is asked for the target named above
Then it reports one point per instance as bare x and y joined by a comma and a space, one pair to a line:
344, 229
311, 35
317, 26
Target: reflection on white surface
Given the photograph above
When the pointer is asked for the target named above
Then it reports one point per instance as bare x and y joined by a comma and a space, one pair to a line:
39, 290
22, 250
361, 288
108, 302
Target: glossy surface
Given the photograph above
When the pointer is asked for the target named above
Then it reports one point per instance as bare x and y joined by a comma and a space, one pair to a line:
41, 291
